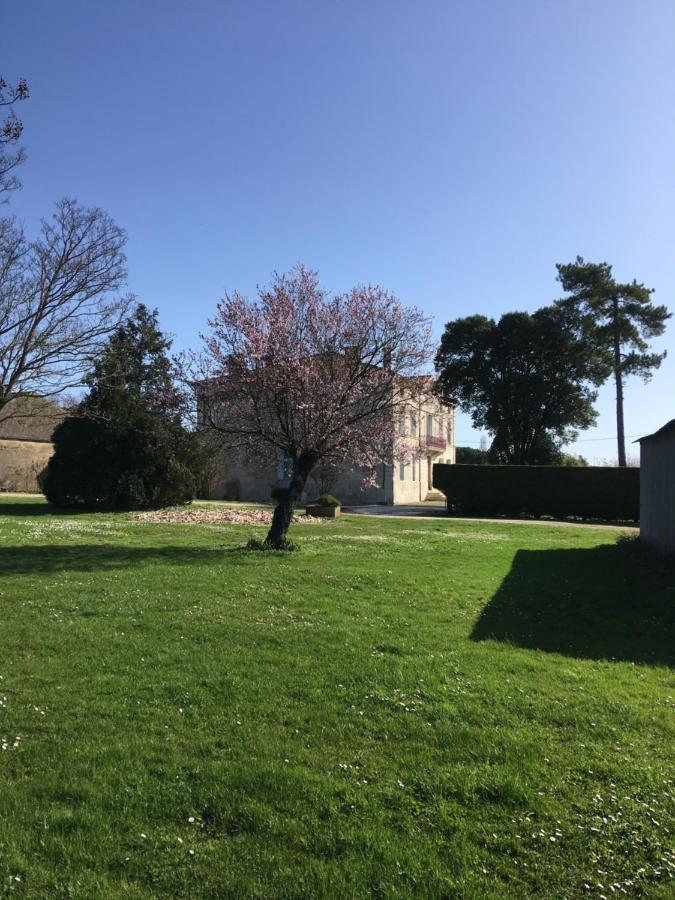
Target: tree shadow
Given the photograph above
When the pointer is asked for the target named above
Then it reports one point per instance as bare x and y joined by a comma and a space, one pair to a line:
31, 508
613, 602
44, 559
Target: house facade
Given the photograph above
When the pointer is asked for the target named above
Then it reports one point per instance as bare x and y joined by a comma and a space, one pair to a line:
424, 423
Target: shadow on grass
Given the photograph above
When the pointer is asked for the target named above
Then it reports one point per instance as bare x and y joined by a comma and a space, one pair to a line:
610, 602
52, 558
30, 508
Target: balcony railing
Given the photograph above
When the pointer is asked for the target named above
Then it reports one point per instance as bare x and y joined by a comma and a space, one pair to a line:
433, 442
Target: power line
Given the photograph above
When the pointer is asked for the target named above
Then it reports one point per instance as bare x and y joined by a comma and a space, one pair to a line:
461, 443
585, 440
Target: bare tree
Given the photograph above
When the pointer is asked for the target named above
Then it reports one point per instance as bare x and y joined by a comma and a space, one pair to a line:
58, 300
10, 132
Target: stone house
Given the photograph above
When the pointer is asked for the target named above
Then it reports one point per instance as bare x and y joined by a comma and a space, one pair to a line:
657, 489
25, 442
425, 423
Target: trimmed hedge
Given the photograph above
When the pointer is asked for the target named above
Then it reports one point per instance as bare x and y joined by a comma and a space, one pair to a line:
588, 492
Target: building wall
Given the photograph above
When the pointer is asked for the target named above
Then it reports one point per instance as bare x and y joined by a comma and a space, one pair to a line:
411, 484
657, 491
425, 418
21, 462
236, 481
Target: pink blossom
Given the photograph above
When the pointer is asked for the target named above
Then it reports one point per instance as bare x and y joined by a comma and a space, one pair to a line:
311, 377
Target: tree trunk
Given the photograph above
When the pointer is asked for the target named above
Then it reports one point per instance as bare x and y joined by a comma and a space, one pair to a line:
283, 512
618, 378
620, 436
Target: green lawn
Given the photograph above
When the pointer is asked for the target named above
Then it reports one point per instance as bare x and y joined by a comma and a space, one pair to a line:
402, 709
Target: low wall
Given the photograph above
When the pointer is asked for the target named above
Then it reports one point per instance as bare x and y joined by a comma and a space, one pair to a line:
21, 462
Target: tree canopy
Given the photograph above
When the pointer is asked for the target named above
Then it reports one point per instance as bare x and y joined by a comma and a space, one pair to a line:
10, 132
471, 456
527, 380
59, 293
620, 320
59, 299
124, 446
308, 377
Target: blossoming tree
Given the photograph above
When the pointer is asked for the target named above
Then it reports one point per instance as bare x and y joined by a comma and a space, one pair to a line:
313, 378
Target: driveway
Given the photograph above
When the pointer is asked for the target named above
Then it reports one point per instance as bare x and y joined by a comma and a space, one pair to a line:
436, 510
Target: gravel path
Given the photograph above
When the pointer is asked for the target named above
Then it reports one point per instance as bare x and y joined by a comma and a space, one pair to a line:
437, 511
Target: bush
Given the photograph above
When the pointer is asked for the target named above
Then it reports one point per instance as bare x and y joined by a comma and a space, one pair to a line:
125, 446
140, 464
591, 492
471, 456
326, 500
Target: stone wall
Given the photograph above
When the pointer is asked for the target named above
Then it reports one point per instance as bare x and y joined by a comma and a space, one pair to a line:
21, 462
235, 481
424, 423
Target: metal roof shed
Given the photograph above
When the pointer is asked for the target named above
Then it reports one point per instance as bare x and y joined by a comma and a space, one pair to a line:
657, 489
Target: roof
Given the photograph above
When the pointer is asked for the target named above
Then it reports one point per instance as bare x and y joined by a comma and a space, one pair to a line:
30, 419
669, 426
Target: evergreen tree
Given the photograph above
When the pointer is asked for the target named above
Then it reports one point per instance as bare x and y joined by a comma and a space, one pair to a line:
125, 446
623, 319
471, 456
526, 379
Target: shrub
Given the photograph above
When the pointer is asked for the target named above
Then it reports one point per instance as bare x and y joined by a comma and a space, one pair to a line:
326, 500
471, 456
125, 446
591, 492
138, 464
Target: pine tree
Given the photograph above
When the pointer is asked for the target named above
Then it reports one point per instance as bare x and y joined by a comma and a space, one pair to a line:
623, 320
125, 446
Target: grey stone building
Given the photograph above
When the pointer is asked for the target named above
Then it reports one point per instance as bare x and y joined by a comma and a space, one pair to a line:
426, 424
26, 427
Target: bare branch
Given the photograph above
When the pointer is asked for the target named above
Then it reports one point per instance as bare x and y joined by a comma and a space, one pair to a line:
58, 299
10, 132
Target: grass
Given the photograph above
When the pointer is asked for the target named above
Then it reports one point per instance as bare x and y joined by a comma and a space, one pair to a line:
404, 708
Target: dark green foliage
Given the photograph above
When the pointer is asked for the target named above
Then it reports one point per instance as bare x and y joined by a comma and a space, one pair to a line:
569, 459
125, 446
618, 319
588, 492
526, 379
471, 456
544, 450
326, 500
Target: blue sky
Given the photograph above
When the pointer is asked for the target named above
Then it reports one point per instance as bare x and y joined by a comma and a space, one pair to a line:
452, 151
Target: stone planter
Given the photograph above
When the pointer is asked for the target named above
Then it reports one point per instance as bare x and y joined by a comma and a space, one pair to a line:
322, 512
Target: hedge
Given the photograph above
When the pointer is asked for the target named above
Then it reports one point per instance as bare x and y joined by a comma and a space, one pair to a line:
588, 492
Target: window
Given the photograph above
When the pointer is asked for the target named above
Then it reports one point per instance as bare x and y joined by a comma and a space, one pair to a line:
414, 470
430, 425
401, 424
413, 425
401, 471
